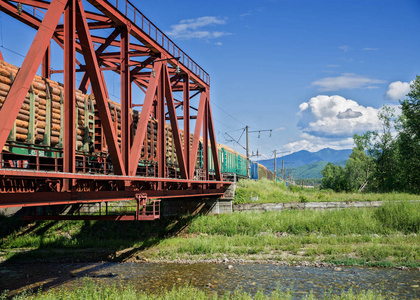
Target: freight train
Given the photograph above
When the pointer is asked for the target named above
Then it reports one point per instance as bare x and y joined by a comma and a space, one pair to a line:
35, 142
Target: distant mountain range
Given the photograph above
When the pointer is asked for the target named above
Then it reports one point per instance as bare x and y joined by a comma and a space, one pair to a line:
305, 164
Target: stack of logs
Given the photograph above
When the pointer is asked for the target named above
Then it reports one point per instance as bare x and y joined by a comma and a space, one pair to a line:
42, 91
49, 123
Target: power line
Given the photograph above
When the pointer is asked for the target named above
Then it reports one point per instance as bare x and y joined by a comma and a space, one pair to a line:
227, 113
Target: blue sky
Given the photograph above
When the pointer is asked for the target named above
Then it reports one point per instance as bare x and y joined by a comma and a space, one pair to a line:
315, 72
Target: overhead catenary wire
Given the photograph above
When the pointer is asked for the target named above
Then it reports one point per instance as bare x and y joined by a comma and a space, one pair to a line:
227, 113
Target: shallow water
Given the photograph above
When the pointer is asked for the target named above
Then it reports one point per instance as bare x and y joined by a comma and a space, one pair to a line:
212, 277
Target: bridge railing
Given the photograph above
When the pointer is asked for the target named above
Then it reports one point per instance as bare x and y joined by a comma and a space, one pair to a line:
132, 13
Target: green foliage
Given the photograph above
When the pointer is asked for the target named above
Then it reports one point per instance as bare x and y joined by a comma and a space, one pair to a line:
267, 191
389, 218
403, 216
408, 142
333, 178
250, 190
90, 289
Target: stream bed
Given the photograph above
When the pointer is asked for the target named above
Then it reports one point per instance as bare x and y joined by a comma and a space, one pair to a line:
18, 277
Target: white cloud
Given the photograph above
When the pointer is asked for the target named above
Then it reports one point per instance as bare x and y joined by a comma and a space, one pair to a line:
344, 48
333, 66
335, 116
345, 81
370, 49
331, 122
313, 143
397, 90
218, 43
193, 28
280, 129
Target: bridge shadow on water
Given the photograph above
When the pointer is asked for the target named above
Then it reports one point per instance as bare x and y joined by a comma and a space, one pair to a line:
46, 254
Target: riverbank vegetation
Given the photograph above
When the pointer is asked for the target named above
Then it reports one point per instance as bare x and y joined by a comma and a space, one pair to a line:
384, 236
90, 289
387, 159
267, 191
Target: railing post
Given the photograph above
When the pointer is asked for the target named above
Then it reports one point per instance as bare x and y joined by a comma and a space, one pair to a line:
37, 160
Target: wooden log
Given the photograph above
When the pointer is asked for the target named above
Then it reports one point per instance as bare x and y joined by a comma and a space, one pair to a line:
21, 130
39, 85
55, 127
56, 98
4, 87
41, 124
55, 91
23, 118
55, 105
4, 72
42, 94
80, 98
24, 112
5, 80
21, 137
54, 140
56, 111
39, 137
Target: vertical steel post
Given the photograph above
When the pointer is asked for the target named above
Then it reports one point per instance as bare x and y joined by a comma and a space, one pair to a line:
98, 89
206, 140
186, 103
125, 98
161, 136
46, 63
215, 156
69, 143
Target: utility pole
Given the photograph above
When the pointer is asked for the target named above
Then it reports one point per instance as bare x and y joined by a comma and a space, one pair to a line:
282, 169
248, 167
246, 129
275, 163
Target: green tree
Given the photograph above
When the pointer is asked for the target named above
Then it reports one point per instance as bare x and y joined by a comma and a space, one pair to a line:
409, 140
360, 165
333, 178
385, 151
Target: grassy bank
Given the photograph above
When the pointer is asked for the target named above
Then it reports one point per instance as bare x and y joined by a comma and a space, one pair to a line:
92, 290
385, 236
247, 191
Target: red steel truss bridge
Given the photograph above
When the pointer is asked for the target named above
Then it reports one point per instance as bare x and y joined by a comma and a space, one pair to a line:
98, 36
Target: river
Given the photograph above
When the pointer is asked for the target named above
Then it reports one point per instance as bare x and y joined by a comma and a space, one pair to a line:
17, 277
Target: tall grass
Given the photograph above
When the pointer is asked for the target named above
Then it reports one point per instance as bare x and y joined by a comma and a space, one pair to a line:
390, 218
92, 290
266, 191
402, 216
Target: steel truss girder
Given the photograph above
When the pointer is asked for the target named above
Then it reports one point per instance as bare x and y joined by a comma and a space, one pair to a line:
75, 36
